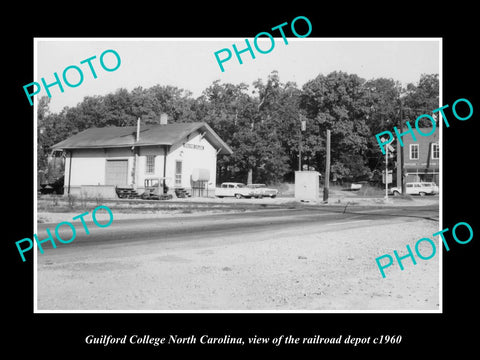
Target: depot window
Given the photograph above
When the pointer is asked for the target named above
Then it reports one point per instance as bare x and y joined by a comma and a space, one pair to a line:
413, 151
178, 173
435, 151
150, 165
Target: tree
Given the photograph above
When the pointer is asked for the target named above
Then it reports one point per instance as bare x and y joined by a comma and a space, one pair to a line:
249, 126
337, 102
51, 128
424, 95
420, 99
42, 150
278, 119
175, 102
263, 126
382, 111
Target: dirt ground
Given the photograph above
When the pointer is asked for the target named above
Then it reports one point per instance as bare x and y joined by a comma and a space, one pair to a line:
296, 269
187, 207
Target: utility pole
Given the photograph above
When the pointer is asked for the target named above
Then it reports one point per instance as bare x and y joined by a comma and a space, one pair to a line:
400, 153
386, 176
326, 185
135, 156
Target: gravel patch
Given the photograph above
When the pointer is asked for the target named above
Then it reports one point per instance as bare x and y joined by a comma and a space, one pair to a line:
296, 269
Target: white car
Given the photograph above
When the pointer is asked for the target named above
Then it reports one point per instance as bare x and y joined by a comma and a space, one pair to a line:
261, 190
433, 185
237, 190
416, 188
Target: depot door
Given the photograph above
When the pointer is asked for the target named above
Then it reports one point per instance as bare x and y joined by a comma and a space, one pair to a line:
178, 173
116, 172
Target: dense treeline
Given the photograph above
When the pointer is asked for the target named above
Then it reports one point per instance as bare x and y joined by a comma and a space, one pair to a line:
261, 123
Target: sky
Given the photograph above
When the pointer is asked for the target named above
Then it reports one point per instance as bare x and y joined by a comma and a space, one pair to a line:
190, 64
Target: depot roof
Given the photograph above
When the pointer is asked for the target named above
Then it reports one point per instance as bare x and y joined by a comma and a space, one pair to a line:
167, 134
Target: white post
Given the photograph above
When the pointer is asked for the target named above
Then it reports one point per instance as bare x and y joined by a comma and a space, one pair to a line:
386, 173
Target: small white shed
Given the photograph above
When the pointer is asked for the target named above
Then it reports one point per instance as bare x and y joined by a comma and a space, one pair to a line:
307, 185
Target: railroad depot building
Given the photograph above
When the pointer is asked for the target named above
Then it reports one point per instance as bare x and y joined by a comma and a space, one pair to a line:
421, 158
184, 155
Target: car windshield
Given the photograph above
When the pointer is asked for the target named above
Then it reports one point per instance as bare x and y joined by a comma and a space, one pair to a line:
240, 185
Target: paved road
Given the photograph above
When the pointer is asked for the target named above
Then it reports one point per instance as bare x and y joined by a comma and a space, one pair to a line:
204, 228
305, 257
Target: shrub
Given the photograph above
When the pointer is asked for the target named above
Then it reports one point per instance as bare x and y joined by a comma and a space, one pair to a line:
54, 200
98, 199
83, 199
72, 199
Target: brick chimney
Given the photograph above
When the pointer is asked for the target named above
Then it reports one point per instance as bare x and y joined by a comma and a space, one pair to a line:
163, 119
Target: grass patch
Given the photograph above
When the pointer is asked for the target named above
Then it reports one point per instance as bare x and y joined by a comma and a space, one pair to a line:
370, 191
403, 197
284, 189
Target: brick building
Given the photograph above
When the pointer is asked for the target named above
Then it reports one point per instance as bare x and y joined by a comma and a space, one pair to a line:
421, 158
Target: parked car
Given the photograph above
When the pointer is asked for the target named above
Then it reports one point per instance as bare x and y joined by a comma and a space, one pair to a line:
237, 190
354, 186
416, 188
261, 190
433, 185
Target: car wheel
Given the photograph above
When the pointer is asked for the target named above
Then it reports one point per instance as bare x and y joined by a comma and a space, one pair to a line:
238, 196
396, 193
421, 193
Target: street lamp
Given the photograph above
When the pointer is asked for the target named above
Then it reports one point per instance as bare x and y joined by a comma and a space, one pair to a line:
387, 149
